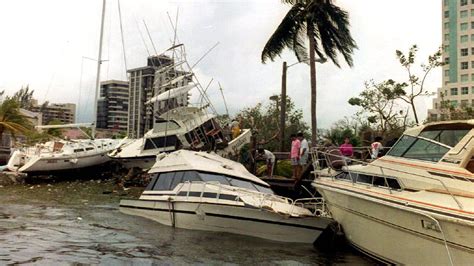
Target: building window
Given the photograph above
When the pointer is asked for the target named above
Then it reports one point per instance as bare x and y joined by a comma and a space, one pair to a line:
472, 37
446, 25
464, 78
454, 91
464, 38
464, 52
472, 12
446, 60
464, 90
472, 77
446, 37
464, 103
446, 14
446, 73
463, 26
462, 14
472, 89
454, 103
464, 65
436, 105
463, 2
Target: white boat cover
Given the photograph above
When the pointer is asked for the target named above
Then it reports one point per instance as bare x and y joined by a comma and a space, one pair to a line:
183, 160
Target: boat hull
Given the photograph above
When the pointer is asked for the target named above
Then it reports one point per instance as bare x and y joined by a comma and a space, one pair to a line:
393, 233
228, 218
63, 164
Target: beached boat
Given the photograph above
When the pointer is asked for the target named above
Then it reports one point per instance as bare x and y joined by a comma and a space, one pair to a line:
415, 205
203, 191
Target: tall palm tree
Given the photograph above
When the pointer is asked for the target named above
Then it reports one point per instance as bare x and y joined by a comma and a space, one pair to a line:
326, 26
11, 120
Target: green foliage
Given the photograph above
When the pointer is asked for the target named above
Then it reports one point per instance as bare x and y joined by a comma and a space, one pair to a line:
412, 89
339, 131
55, 132
282, 168
11, 120
327, 23
24, 97
378, 102
264, 122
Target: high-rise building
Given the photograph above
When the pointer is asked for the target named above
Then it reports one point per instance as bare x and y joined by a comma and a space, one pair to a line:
457, 89
65, 113
112, 107
146, 82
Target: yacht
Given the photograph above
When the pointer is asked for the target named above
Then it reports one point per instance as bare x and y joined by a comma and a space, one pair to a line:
54, 157
204, 191
415, 205
183, 127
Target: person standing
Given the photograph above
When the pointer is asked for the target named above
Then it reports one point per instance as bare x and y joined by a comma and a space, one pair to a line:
304, 152
295, 155
376, 147
346, 149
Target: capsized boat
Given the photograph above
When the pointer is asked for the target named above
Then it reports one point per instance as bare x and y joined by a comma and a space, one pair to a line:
415, 205
203, 191
183, 127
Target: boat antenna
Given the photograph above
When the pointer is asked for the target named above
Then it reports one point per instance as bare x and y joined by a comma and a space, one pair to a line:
204, 55
149, 36
99, 62
223, 98
123, 40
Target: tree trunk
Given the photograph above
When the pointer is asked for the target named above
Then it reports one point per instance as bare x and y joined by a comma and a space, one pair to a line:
414, 111
312, 66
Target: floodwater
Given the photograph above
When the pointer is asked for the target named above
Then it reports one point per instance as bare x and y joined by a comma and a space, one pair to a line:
78, 222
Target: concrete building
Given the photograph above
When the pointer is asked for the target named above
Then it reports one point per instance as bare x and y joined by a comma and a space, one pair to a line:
63, 112
145, 82
458, 52
112, 106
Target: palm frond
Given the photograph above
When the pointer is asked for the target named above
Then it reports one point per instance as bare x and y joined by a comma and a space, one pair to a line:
284, 35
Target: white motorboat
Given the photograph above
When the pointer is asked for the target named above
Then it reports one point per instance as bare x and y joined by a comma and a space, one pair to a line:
203, 191
415, 205
54, 157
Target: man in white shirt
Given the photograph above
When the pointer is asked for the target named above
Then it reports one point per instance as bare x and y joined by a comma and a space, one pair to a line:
304, 150
269, 159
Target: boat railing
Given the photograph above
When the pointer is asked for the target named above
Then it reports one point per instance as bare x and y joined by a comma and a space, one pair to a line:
317, 206
335, 161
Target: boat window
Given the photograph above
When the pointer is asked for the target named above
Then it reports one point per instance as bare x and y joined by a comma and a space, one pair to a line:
346, 176
420, 149
154, 143
90, 148
448, 137
401, 146
383, 182
206, 177
242, 184
164, 181
191, 176
78, 150
264, 189
426, 151
361, 178
178, 176
154, 177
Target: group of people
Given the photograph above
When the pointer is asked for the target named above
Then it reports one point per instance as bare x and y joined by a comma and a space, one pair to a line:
376, 147
299, 154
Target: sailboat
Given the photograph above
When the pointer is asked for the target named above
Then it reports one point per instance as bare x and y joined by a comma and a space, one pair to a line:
61, 156
177, 124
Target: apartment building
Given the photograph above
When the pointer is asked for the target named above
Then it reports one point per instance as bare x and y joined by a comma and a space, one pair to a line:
458, 52
112, 106
145, 83
62, 112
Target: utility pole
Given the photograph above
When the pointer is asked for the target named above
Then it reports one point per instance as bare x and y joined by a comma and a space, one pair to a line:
283, 107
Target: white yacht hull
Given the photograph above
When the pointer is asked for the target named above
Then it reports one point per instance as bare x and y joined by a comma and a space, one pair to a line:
63, 163
396, 231
228, 218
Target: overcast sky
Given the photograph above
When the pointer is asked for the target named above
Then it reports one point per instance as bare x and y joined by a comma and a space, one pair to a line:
44, 42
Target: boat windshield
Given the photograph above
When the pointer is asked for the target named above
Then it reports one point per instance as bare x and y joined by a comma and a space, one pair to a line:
418, 148
450, 137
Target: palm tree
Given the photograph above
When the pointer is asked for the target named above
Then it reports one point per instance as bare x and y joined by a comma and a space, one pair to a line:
327, 28
11, 120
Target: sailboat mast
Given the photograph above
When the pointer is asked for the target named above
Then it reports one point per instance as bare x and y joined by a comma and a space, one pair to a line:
99, 62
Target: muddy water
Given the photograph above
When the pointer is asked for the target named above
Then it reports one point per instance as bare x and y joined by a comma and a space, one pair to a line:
79, 223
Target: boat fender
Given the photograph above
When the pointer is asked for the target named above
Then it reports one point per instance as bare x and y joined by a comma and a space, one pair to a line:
73, 160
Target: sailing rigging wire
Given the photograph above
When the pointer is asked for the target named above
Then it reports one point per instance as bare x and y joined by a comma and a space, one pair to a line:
149, 36
123, 39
